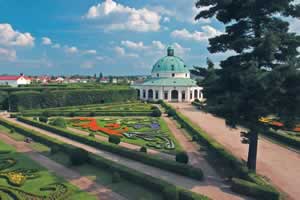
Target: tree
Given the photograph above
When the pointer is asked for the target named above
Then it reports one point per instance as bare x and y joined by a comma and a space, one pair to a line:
259, 79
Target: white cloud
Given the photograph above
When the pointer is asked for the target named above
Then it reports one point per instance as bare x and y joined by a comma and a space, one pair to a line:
121, 52
8, 54
158, 45
91, 52
120, 17
208, 32
180, 10
166, 19
87, 65
133, 45
56, 46
46, 41
10, 37
155, 48
71, 50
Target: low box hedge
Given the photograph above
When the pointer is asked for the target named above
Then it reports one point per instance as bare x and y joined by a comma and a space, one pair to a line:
283, 138
88, 113
254, 190
241, 171
131, 175
172, 166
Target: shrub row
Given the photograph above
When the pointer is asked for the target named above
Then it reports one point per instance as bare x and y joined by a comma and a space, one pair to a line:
169, 165
129, 174
88, 113
254, 190
58, 98
283, 138
228, 160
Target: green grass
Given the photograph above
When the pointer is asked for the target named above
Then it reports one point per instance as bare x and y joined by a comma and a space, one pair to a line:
101, 176
138, 141
33, 186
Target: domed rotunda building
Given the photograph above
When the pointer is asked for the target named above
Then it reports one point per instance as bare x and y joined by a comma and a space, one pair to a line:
170, 81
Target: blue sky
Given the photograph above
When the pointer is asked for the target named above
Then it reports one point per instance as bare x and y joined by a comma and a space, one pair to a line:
116, 37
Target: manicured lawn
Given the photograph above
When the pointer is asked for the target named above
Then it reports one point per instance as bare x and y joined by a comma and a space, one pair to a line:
143, 131
43, 179
127, 189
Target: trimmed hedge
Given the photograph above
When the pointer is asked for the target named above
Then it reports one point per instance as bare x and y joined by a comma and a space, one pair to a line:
88, 113
254, 190
172, 166
58, 98
241, 171
283, 138
97, 161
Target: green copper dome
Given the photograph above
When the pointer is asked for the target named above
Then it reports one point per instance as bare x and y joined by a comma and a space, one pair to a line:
170, 63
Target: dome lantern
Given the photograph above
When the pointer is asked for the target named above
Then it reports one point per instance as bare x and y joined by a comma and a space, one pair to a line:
170, 51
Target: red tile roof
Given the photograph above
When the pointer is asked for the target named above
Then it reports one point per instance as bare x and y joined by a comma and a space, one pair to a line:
12, 78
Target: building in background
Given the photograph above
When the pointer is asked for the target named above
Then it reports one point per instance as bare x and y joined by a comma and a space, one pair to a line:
170, 81
15, 81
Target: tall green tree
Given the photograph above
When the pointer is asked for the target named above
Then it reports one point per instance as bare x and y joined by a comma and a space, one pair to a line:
262, 77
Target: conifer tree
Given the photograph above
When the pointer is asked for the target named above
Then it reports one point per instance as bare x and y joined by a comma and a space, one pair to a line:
261, 79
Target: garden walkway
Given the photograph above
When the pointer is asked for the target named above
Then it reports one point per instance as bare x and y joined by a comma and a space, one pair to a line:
83, 183
196, 158
200, 187
280, 165
124, 144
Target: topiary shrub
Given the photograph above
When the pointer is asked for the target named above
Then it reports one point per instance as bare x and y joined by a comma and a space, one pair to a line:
182, 157
35, 119
59, 122
79, 157
92, 114
156, 113
72, 114
170, 193
116, 178
43, 119
114, 139
12, 130
92, 135
143, 149
171, 112
54, 150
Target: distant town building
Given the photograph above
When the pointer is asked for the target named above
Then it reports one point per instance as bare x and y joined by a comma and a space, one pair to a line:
170, 81
59, 80
104, 80
15, 81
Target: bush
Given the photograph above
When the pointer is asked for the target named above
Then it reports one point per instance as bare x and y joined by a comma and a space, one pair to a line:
156, 113
55, 149
92, 135
143, 149
114, 139
12, 130
171, 112
43, 119
116, 178
182, 157
170, 193
59, 122
35, 119
254, 190
79, 157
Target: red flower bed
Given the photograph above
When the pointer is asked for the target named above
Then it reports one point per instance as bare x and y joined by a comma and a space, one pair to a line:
93, 126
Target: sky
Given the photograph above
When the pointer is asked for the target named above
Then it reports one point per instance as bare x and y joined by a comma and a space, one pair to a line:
115, 37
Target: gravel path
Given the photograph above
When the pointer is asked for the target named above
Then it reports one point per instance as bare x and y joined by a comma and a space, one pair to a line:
280, 165
216, 187
83, 183
124, 144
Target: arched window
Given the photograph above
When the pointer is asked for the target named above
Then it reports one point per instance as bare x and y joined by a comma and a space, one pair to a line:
173, 67
157, 75
156, 94
150, 94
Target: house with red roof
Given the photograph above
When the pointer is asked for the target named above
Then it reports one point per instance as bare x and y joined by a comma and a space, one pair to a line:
15, 81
